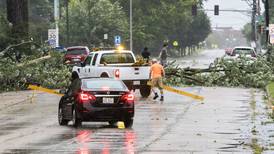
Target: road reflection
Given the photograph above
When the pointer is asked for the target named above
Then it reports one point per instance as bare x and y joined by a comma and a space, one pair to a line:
83, 137
90, 141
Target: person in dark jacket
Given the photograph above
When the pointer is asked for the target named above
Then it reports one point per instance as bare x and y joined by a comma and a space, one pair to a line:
146, 54
163, 55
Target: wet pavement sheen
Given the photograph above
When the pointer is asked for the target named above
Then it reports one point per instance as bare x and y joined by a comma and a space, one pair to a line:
229, 120
221, 124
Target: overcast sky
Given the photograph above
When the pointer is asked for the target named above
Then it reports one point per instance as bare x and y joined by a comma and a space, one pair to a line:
228, 19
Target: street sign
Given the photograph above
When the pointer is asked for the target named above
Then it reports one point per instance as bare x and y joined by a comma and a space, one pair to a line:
271, 33
52, 37
105, 36
117, 40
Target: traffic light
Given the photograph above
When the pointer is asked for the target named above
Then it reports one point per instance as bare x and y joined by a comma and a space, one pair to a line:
216, 10
194, 10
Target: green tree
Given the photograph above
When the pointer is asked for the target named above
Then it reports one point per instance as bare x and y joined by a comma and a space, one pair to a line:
157, 20
18, 16
247, 31
41, 19
4, 31
90, 20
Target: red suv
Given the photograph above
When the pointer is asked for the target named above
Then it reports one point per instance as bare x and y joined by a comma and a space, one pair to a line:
76, 54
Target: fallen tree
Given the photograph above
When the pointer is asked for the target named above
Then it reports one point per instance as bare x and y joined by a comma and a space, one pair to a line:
50, 72
240, 72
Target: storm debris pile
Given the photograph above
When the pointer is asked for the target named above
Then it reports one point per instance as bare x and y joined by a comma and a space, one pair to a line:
49, 72
240, 72
52, 73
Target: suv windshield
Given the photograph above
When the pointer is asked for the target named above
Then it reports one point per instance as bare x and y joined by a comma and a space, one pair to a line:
116, 58
76, 51
103, 84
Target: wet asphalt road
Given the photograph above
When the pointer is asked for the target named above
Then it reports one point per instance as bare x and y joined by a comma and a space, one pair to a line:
200, 60
224, 122
229, 120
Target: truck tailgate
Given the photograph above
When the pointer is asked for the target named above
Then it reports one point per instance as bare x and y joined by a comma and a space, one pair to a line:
134, 73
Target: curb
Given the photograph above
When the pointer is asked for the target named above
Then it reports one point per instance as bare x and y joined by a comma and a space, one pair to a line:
270, 100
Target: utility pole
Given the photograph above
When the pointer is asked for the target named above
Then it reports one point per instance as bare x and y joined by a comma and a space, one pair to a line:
67, 21
253, 20
56, 18
267, 20
130, 23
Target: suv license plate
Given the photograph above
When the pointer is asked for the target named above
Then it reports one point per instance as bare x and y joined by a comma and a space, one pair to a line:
136, 82
107, 100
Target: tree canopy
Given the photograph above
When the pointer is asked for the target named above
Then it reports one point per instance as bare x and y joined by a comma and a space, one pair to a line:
154, 22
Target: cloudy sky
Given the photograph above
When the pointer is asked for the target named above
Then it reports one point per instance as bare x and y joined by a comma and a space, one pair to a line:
228, 19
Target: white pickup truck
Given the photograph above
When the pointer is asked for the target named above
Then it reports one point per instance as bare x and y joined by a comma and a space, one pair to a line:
115, 64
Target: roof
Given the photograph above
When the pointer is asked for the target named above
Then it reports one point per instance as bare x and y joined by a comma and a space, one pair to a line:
112, 51
243, 47
77, 47
99, 79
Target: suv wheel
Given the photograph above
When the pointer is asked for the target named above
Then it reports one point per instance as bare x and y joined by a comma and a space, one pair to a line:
75, 121
128, 122
61, 119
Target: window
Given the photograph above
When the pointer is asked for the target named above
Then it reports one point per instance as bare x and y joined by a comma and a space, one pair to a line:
88, 60
76, 51
94, 59
244, 51
116, 58
102, 84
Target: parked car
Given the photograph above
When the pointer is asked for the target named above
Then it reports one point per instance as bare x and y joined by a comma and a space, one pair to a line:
96, 99
76, 54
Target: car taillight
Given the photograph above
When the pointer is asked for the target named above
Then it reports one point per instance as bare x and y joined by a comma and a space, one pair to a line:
128, 98
117, 73
83, 97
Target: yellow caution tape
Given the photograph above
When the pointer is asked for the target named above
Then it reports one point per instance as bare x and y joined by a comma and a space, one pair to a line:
33, 87
181, 92
121, 125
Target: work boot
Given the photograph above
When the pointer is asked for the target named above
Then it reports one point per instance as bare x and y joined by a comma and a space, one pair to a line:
156, 96
162, 98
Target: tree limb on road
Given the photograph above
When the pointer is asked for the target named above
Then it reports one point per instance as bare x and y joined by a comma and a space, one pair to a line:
34, 61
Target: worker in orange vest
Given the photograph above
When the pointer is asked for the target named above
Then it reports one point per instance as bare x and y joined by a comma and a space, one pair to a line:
157, 73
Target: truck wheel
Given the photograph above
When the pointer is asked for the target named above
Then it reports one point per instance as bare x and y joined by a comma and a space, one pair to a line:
145, 90
104, 75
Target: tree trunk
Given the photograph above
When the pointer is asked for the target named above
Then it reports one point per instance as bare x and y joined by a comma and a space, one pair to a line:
17, 15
